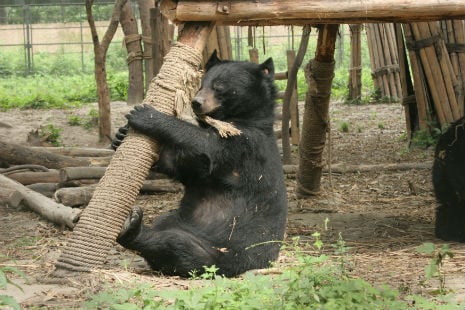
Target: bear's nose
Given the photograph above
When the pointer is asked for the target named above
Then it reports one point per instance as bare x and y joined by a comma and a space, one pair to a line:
197, 102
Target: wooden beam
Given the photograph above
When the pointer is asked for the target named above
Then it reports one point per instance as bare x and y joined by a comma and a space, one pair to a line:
299, 12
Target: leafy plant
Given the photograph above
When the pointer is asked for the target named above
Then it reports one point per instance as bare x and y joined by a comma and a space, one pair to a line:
344, 126
433, 269
51, 134
424, 138
74, 120
6, 300
92, 119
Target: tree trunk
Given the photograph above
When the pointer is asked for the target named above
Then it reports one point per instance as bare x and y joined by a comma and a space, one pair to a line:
144, 12
319, 74
355, 70
100, 53
134, 58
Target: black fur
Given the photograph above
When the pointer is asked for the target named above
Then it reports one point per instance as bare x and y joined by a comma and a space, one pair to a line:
449, 183
233, 212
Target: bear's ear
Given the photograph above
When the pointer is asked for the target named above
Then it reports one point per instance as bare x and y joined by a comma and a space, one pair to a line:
268, 67
212, 61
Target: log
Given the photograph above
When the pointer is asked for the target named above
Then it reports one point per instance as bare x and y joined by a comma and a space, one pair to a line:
30, 177
16, 155
346, 168
46, 189
80, 173
10, 197
302, 12
79, 196
76, 151
46, 207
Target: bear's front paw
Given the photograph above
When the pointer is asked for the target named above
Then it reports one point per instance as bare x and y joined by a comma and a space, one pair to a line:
131, 226
141, 118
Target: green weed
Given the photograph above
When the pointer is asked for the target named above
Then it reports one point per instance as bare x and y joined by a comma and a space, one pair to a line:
434, 268
6, 300
74, 120
310, 282
343, 126
51, 134
92, 119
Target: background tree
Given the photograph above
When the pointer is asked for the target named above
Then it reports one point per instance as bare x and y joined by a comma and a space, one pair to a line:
100, 52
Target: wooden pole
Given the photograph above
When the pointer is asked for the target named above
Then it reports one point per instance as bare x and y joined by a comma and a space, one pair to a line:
355, 70
161, 37
406, 87
293, 102
301, 12
290, 89
421, 93
102, 219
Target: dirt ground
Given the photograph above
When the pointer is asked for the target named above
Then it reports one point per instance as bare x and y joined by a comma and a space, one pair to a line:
383, 215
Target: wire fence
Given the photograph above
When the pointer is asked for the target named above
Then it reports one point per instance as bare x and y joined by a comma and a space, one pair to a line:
30, 31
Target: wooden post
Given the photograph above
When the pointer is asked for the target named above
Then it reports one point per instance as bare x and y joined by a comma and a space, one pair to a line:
294, 104
161, 38
385, 67
406, 86
132, 41
421, 89
454, 36
319, 75
253, 55
224, 42
355, 70
290, 89
102, 219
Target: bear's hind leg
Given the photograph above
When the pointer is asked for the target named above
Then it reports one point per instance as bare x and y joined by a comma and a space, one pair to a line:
174, 251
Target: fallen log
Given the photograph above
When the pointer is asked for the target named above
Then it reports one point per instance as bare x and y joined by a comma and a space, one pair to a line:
46, 207
76, 151
345, 168
46, 189
15, 154
80, 173
79, 196
32, 177
302, 12
10, 197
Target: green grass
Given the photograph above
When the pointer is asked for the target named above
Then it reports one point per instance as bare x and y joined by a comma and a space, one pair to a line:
66, 80
46, 92
310, 282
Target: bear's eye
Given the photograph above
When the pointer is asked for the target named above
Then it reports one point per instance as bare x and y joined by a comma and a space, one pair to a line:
217, 85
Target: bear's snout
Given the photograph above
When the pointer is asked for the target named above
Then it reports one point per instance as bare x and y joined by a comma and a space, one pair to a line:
204, 102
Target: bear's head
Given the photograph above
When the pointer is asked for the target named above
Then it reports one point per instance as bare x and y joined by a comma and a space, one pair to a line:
236, 90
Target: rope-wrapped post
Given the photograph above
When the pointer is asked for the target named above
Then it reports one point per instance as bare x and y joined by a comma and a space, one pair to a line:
101, 221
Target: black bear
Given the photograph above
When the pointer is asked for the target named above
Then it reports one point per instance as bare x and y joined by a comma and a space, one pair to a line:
449, 183
234, 209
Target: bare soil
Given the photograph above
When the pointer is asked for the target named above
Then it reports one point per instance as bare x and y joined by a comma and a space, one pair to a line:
382, 215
